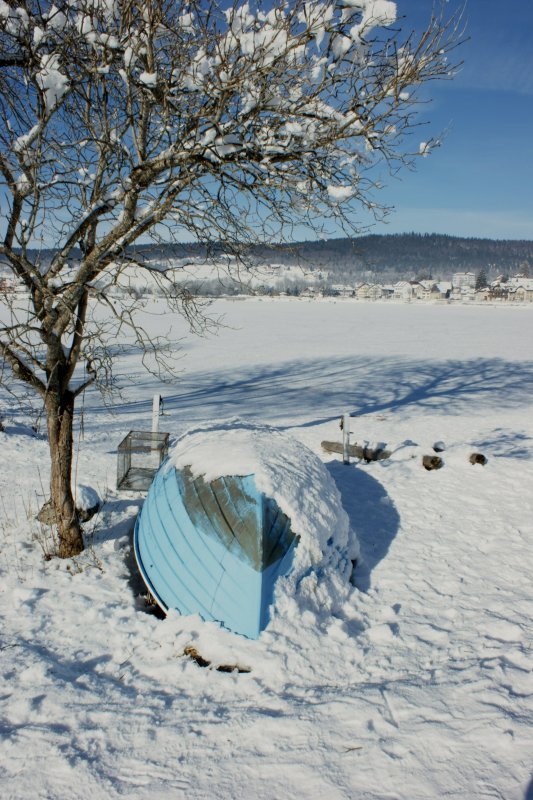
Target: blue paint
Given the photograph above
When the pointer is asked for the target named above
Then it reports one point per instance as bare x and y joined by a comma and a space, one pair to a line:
213, 549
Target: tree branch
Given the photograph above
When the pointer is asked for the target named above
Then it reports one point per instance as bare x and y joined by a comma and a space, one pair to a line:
21, 370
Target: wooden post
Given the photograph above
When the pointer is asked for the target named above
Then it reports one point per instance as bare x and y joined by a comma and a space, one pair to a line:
345, 438
156, 409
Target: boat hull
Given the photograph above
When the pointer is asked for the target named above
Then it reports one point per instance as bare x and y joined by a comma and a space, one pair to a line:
214, 549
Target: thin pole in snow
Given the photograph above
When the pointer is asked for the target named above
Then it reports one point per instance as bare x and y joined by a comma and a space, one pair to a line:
156, 410
345, 438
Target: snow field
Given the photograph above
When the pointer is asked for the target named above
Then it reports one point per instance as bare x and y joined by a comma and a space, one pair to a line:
418, 686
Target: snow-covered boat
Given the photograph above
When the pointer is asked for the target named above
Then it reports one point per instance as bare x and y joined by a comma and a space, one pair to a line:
215, 548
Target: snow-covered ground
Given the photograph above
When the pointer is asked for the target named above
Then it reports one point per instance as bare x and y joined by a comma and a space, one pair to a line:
417, 685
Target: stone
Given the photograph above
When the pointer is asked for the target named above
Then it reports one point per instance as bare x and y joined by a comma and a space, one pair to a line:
432, 462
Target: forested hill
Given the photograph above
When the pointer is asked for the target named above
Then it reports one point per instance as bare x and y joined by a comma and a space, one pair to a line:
405, 255
411, 253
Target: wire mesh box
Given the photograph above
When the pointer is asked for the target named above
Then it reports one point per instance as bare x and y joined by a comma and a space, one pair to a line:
140, 454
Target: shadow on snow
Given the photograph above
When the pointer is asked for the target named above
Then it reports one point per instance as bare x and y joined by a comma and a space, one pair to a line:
316, 391
372, 515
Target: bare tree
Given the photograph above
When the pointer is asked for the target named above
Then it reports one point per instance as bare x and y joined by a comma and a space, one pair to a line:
123, 119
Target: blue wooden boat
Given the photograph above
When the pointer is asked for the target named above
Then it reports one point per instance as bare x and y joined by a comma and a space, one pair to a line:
214, 549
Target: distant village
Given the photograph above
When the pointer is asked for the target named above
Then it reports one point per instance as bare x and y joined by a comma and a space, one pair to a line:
464, 287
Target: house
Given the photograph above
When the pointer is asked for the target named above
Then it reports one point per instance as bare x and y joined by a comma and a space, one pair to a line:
375, 291
430, 291
468, 294
403, 290
455, 293
362, 291
499, 292
342, 290
522, 293
445, 289
7, 285
463, 279
521, 280
417, 289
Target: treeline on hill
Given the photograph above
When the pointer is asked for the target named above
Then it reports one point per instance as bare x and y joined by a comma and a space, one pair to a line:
394, 256
411, 255
380, 257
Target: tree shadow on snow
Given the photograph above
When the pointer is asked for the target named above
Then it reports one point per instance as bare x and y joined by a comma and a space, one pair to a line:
115, 520
506, 443
317, 389
372, 515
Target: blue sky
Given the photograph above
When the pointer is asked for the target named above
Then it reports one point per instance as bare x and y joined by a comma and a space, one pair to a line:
480, 181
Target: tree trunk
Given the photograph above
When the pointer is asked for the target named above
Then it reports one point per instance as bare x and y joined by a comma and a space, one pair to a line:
60, 416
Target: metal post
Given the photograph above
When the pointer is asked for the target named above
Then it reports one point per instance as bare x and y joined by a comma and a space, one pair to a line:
345, 438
